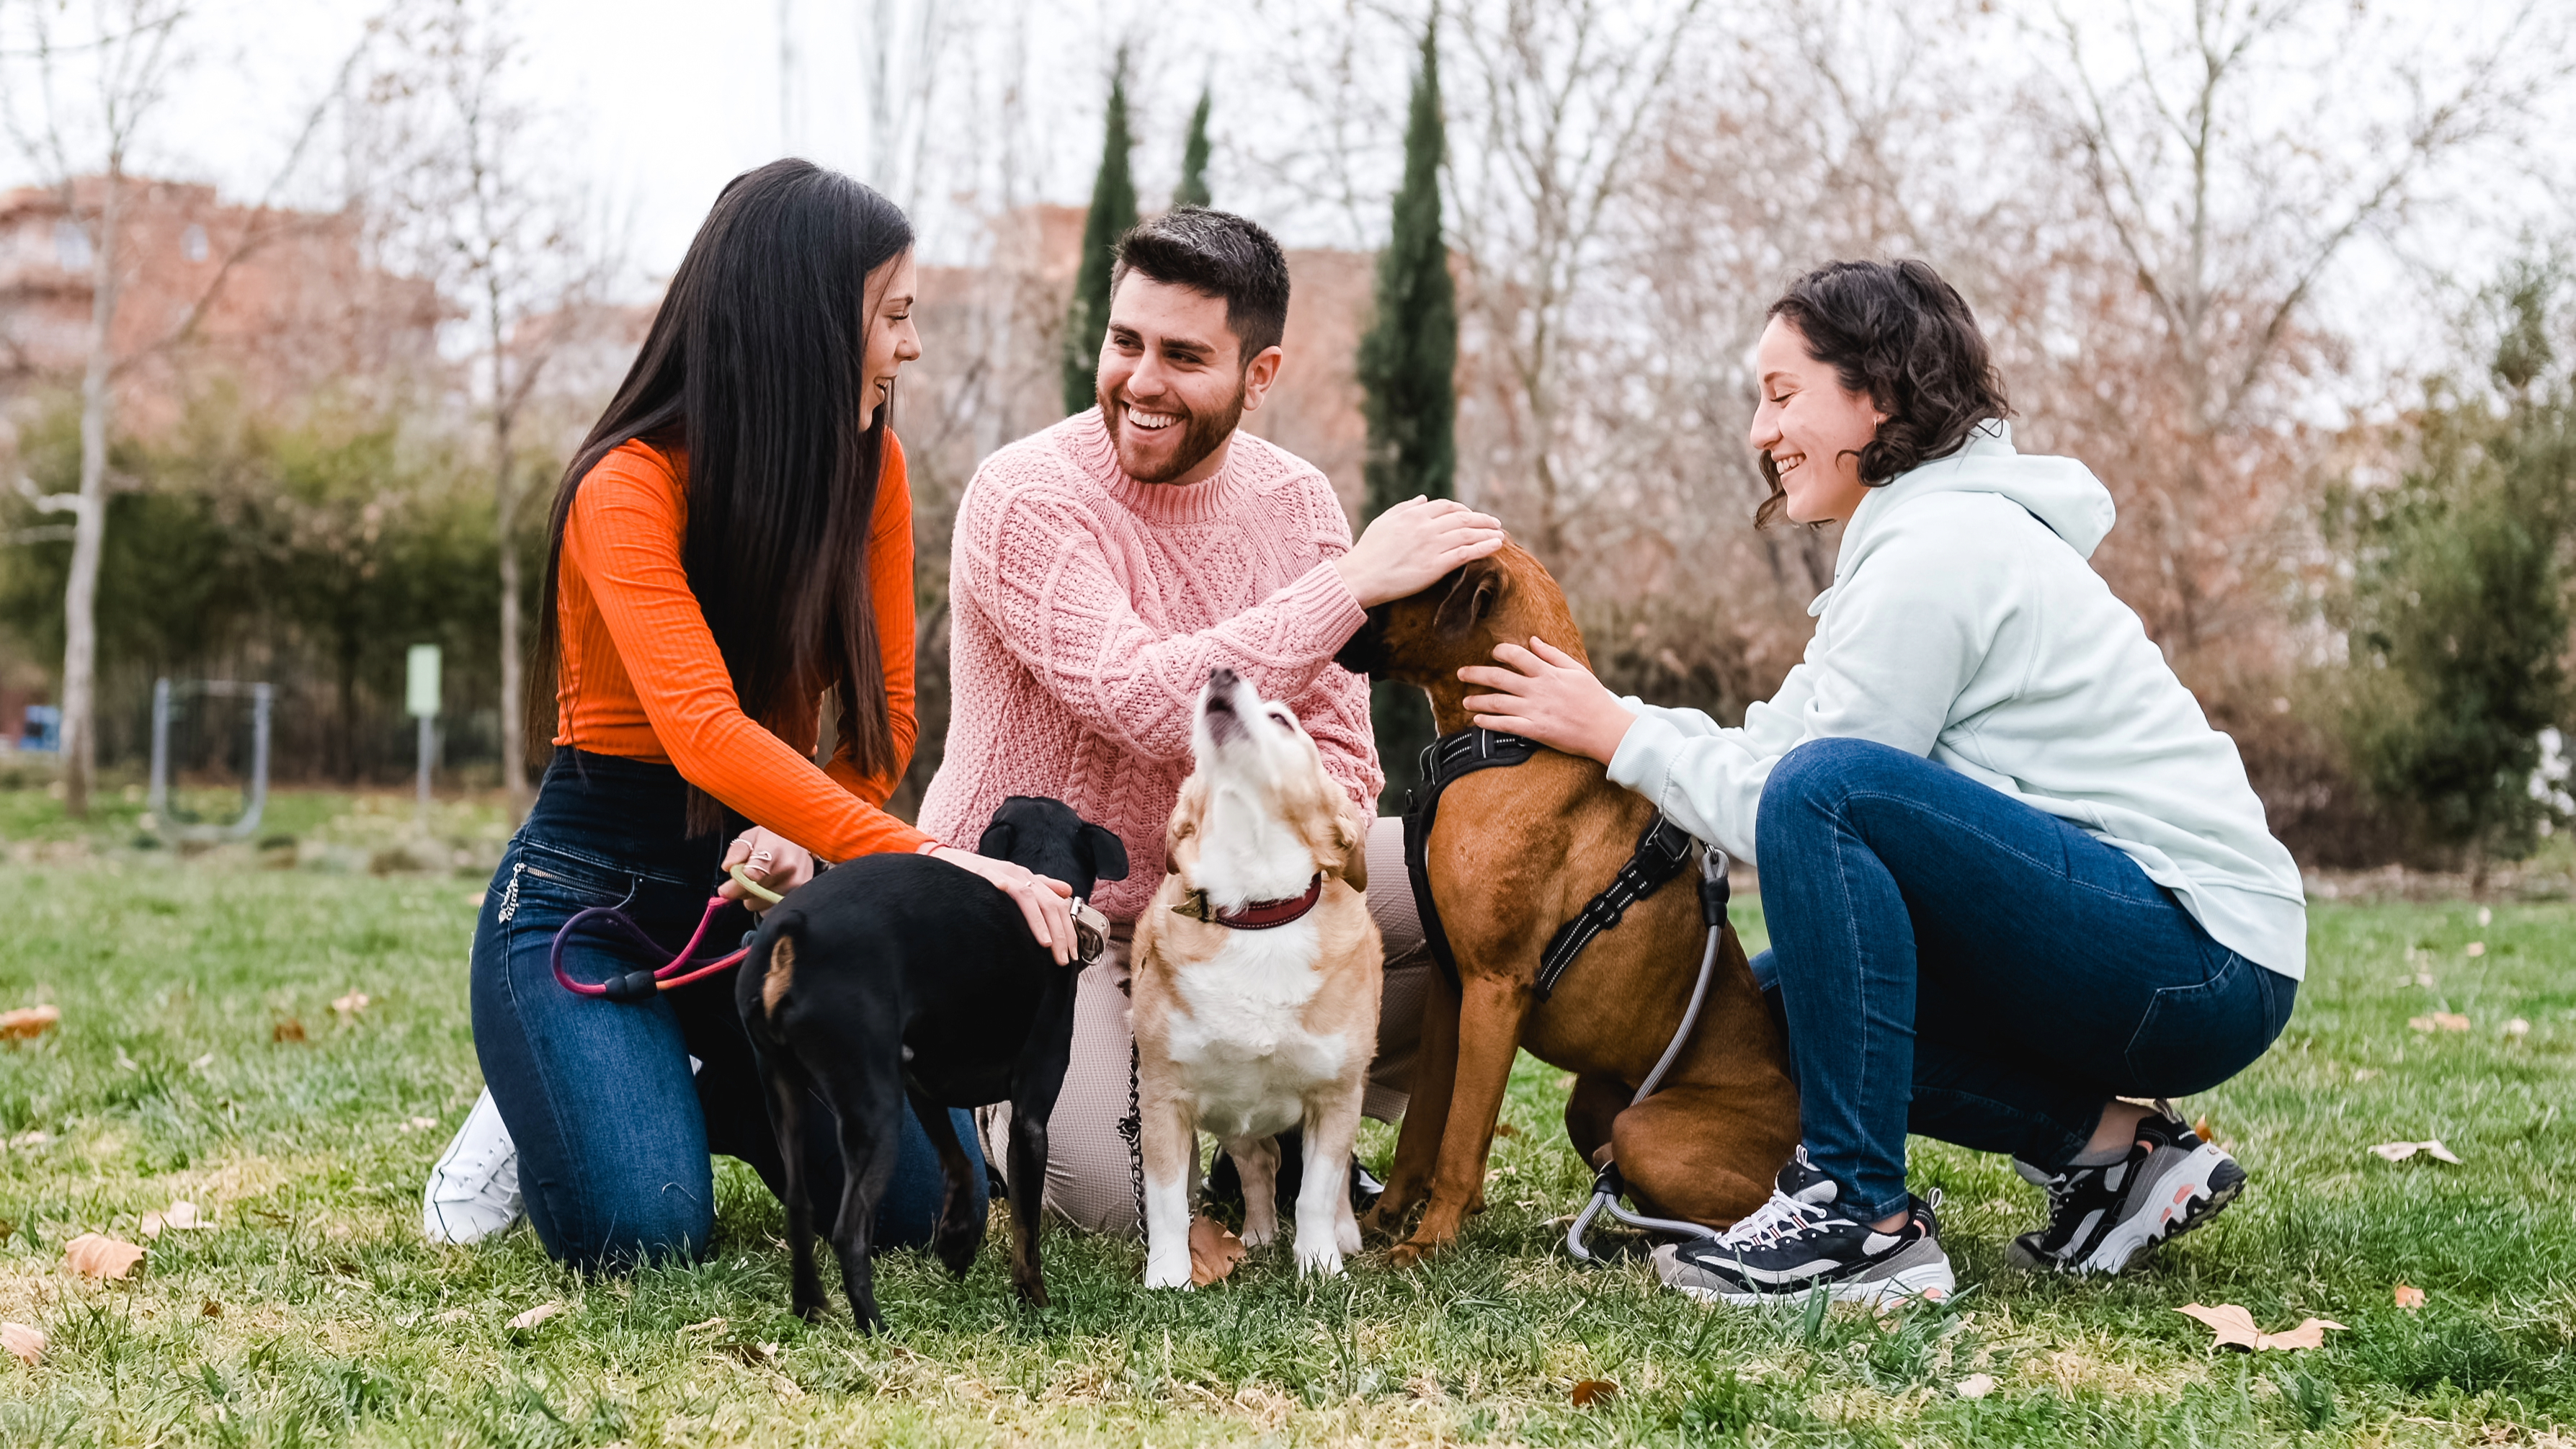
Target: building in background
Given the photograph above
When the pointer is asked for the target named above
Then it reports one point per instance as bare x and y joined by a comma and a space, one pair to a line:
285, 304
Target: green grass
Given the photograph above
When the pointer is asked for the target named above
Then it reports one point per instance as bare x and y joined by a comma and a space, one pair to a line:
314, 1314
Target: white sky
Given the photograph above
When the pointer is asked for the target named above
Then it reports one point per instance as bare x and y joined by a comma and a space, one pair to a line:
655, 103
660, 102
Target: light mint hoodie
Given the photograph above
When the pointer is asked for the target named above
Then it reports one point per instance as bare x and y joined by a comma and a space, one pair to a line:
1964, 625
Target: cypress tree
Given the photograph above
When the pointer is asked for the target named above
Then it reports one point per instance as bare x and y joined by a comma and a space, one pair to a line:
1113, 212
1406, 365
1194, 158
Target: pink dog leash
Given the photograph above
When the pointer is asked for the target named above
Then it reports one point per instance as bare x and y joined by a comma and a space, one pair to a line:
645, 985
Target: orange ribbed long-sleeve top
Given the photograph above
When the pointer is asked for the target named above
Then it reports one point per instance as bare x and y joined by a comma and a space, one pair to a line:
641, 677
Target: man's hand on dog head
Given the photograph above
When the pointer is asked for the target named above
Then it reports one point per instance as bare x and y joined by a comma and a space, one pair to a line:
1412, 546
769, 858
1045, 902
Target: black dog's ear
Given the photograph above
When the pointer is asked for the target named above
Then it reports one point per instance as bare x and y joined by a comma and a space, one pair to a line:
998, 839
1108, 852
1469, 600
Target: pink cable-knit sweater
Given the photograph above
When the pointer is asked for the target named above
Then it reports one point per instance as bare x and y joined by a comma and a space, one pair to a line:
1087, 608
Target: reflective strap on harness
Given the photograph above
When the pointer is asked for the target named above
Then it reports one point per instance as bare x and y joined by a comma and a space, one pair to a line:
1660, 855
1443, 761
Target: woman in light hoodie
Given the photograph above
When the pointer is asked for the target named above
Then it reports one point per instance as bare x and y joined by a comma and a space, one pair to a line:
2010, 872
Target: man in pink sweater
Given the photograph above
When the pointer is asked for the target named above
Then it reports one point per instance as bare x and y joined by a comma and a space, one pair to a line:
1101, 568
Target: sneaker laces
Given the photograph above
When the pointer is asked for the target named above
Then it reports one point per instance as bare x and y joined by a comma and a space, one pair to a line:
1782, 1218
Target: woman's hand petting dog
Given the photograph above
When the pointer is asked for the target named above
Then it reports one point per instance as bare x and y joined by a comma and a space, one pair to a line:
1548, 696
769, 858
1045, 902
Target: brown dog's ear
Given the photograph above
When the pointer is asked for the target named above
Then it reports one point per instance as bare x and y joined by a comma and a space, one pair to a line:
1470, 600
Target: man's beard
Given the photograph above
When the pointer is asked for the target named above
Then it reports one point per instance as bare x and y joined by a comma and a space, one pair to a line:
1200, 435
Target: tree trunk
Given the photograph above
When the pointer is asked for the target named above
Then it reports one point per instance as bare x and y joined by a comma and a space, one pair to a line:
89, 523
514, 687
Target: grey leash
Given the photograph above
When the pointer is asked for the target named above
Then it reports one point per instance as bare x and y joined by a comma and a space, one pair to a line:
1608, 1186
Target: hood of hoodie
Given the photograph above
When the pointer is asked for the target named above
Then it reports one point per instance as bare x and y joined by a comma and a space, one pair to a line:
2060, 492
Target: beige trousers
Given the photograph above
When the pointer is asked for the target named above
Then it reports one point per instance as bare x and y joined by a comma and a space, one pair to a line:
1095, 1172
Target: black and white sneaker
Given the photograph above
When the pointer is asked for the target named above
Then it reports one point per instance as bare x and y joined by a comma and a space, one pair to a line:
1798, 1241
2102, 1219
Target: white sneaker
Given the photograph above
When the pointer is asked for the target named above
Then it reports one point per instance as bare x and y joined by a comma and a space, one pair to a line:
473, 1192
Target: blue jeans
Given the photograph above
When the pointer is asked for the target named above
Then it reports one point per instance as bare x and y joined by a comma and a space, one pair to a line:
613, 1131
1953, 961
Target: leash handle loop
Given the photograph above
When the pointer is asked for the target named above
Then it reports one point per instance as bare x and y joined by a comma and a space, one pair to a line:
634, 986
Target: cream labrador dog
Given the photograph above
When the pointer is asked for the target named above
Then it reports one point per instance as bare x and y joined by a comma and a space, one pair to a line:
1255, 983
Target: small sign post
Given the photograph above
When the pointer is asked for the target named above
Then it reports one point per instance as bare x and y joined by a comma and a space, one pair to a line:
420, 701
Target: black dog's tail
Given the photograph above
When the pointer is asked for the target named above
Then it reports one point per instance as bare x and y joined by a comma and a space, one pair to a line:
772, 965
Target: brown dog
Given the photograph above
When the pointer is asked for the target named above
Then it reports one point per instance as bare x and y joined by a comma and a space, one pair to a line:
1515, 853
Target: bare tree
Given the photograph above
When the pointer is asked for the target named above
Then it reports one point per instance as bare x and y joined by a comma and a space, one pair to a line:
507, 238
904, 46
1563, 93
78, 105
2233, 177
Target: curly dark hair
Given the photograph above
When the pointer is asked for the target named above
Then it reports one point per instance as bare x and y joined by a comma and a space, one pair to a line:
1897, 332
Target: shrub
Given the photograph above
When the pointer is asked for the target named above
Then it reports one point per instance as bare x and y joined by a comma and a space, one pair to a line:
2456, 610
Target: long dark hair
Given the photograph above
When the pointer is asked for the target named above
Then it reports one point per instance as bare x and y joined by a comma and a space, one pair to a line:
1895, 331
754, 371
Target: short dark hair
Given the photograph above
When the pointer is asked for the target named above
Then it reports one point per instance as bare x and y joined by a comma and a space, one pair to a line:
1895, 331
1216, 254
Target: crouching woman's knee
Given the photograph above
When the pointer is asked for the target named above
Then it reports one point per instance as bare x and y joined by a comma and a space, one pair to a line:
673, 1223
1813, 784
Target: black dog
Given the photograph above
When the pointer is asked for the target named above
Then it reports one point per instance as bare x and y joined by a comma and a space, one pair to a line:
898, 976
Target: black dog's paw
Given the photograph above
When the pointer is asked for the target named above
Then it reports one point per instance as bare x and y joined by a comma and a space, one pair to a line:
958, 1243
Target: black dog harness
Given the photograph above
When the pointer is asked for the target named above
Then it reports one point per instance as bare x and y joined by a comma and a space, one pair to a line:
1661, 853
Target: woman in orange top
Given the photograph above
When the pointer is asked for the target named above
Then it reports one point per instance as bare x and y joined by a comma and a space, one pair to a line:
732, 542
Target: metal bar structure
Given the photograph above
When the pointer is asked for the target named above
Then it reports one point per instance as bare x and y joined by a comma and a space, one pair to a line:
428, 750
263, 697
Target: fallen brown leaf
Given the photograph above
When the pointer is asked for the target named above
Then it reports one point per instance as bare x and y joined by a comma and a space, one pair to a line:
2203, 1130
2235, 1328
27, 1343
535, 1316
291, 1029
1506, 1129
1214, 1250
28, 1021
1592, 1391
2409, 1297
350, 1005
211, 1310
98, 1256
2400, 1151
180, 1216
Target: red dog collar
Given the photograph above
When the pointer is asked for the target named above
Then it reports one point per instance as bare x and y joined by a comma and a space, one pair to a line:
1258, 916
